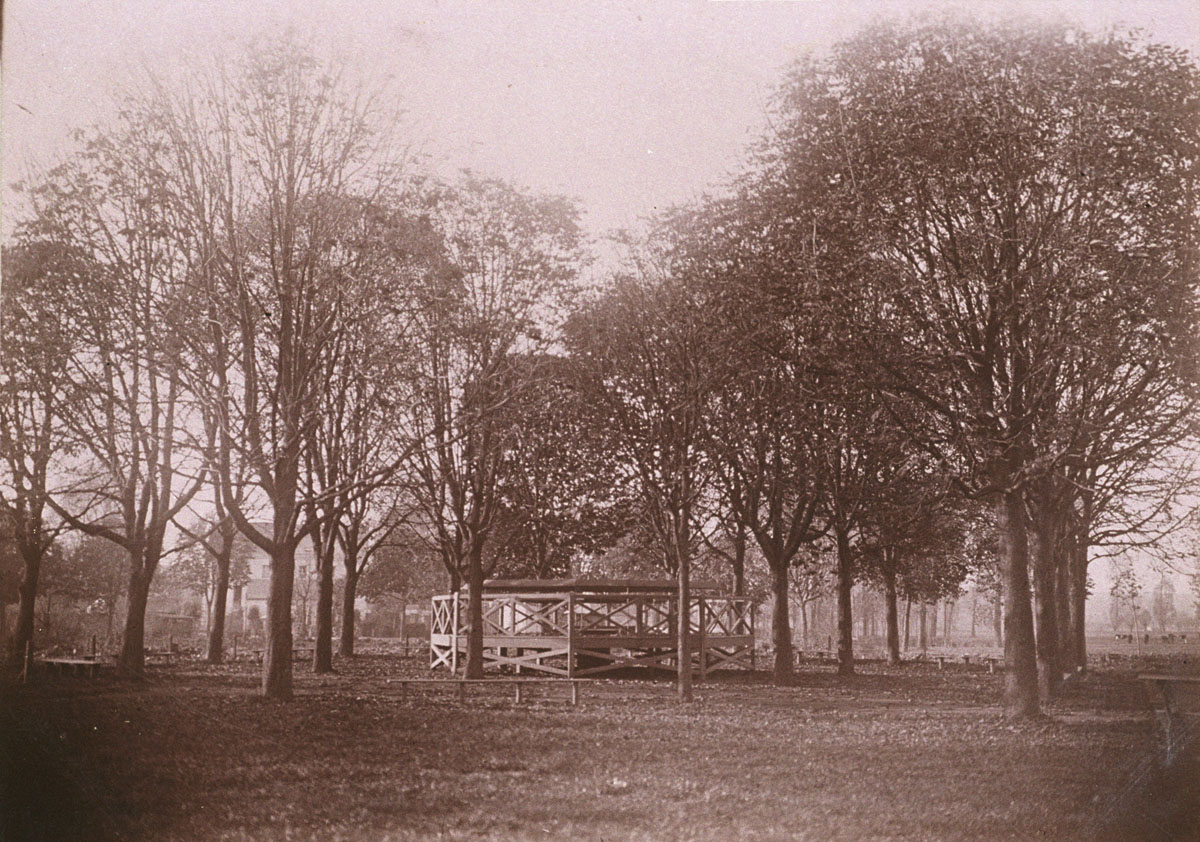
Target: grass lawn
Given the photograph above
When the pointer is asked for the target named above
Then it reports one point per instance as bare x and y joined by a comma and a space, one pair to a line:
908, 753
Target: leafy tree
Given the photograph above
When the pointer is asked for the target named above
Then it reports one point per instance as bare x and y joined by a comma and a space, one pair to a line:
402, 568
125, 474
641, 349
360, 442
914, 541
1162, 604
272, 159
559, 500
480, 317
1194, 583
208, 571
1011, 238
813, 579
762, 440
36, 343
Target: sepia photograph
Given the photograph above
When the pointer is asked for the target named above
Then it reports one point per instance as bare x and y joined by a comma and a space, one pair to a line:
599, 420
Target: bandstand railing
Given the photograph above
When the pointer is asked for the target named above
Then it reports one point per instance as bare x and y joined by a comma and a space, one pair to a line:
580, 633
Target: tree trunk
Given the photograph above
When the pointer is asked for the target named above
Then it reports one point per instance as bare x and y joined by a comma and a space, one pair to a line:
683, 564
998, 622
1078, 606
346, 647
933, 624
893, 620
907, 622
216, 630
1020, 657
739, 561
923, 637
683, 632
475, 614
1049, 674
27, 591
1065, 648
133, 646
845, 582
323, 645
277, 661
781, 621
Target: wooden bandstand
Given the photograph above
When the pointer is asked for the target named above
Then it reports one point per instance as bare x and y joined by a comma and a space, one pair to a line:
578, 627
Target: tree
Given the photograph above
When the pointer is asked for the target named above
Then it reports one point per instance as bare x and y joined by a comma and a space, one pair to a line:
403, 567
811, 581
753, 359
218, 536
913, 540
1194, 583
208, 569
559, 499
1162, 604
36, 342
272, 159
1005, 231
642, 354
356, 449
125, 474
1125, 592
480, 316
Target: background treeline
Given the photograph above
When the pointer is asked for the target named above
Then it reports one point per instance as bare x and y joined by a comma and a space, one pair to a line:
942, 325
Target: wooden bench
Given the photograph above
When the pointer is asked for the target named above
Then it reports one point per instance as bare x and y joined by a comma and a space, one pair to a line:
163, 656
1181, 698
88, 665
461, 684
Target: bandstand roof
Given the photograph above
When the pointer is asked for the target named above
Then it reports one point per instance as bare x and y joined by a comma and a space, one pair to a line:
590, 585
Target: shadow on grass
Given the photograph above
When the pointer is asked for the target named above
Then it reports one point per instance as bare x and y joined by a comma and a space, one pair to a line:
1160, 801
41, 799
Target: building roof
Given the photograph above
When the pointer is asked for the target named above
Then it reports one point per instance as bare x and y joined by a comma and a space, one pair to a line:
589, 584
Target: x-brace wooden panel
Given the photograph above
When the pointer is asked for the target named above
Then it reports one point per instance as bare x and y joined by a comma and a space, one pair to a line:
738, 656
546, 617
661, 660
441, 622
440, 655
605, 616
526, 660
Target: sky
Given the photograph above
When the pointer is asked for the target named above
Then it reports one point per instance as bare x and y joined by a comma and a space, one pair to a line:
626, 106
